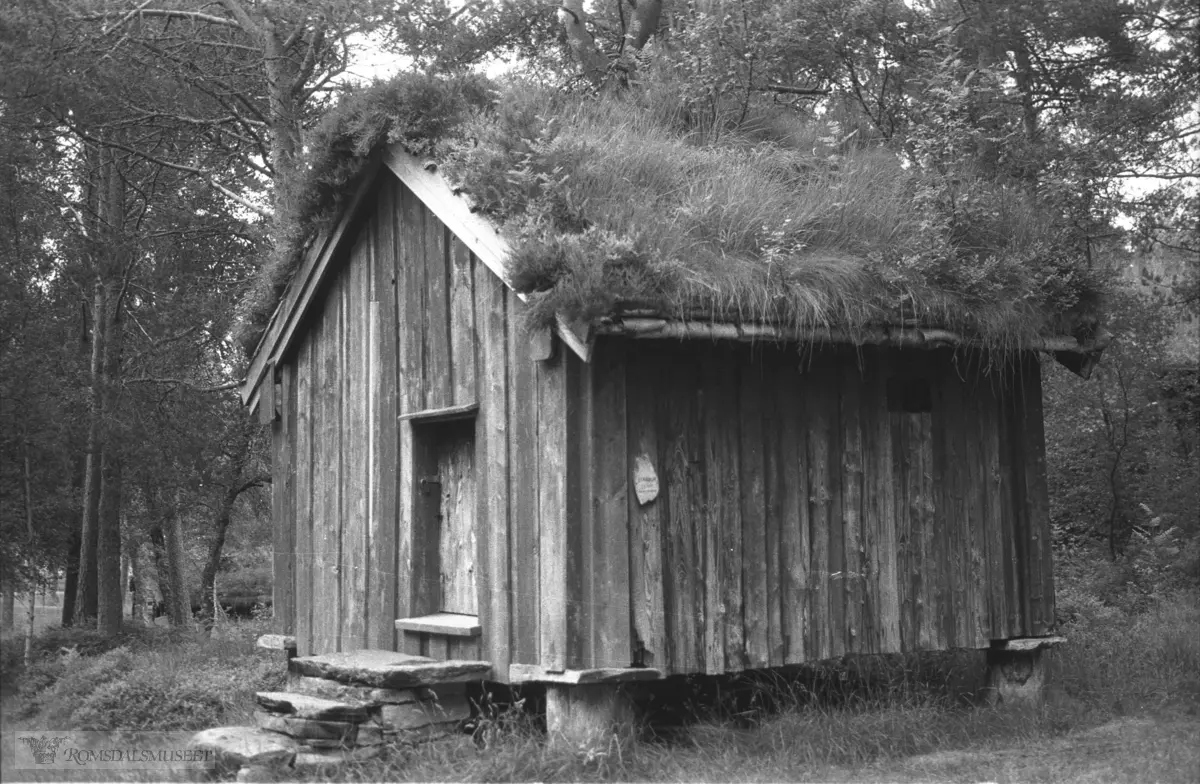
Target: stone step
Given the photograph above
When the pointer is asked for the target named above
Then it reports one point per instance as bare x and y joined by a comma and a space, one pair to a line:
341, 692
388, 669
305, 706
415, 715
328, 761
305, 729
234, 747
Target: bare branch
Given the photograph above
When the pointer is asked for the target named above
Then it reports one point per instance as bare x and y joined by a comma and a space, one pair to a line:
178, 382
195, 16
790, 90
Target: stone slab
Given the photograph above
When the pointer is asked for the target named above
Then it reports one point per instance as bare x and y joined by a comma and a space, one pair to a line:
318, 743
306, 706
422, 714
258, 774
1030, 643
306, 728
332, 690
277, 642
307, 761
388, 669
236, 747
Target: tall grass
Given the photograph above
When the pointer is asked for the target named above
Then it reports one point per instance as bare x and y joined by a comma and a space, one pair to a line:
154, 679
860, 718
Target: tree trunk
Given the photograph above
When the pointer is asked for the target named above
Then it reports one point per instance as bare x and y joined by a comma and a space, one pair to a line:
181, 605
29, 619
70, 579
85, 600
583, 45
162, 574
7, 606
110, 591
208, 577
137, 583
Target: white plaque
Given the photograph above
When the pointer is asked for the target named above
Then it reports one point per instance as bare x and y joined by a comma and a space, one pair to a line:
645, 480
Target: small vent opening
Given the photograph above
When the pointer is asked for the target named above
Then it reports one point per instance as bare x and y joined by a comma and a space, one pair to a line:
909, 395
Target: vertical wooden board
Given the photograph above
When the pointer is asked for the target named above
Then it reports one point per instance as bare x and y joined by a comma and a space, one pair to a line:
678, 414
724, 632
827, 390
752, 465
924, 506
412, 317
435, 646
320, 482
385, 466
974, 424
907, 590
993, 493
456, 535
438, 380
283, 504
552, 512
942, 565
582, 574
1037, 511
305, 377
470, 649
612, 645
408, 275
647, 522
463, 355
1011, 508
854, 578
406, 508
327, 520
956, 483
820, 416
494, 582
525, 559
795, 523
773, 491
879, 508
354, 543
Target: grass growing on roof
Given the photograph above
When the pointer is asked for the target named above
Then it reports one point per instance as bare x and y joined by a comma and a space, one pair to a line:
622, 201
638, 200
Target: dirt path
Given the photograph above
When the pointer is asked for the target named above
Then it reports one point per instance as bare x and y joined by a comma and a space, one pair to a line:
1127, 750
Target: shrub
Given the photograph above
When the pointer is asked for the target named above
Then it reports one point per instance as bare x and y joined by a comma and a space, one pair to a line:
1120, 660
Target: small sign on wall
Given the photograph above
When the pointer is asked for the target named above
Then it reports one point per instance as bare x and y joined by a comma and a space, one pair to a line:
645, 480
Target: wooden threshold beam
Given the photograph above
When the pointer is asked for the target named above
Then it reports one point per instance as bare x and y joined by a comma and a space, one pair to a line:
450, 624
440, 414
532, 673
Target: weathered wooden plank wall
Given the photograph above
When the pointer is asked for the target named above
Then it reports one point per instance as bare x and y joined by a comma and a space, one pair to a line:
871, 519
412, 321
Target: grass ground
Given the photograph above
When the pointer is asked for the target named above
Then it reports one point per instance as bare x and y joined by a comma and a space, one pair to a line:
1123, 705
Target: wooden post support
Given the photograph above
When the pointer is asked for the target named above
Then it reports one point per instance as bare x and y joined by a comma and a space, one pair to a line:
1016, 671
589, 715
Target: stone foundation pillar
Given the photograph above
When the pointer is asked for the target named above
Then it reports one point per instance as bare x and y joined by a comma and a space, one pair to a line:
588, 715
1016, 670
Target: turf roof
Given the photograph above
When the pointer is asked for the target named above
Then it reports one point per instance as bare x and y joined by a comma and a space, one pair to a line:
632, 202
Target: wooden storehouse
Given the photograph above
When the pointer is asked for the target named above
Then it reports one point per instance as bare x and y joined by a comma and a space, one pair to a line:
636, 493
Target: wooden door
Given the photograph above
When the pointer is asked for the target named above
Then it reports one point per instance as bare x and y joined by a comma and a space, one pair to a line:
456, 516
